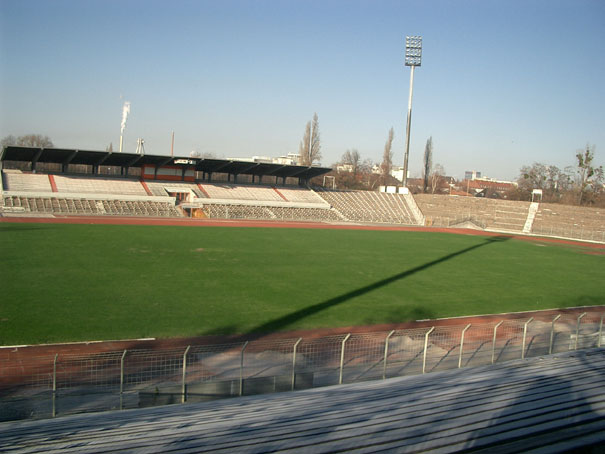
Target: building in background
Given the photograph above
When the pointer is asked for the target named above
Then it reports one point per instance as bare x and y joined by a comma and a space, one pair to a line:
472, 175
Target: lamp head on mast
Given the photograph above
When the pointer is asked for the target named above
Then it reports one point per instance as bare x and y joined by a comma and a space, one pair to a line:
413, 50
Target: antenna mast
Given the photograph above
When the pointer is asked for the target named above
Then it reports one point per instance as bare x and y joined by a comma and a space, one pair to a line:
140, 146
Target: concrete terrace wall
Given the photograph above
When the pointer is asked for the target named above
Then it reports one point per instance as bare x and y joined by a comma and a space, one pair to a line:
570, 222
446, 211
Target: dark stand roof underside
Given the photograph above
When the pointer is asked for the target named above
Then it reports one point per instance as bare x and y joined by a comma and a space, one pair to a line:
233, 167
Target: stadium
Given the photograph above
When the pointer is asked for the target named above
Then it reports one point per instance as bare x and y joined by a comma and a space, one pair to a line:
135, 281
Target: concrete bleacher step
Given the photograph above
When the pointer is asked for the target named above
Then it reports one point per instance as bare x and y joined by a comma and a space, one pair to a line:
545, 404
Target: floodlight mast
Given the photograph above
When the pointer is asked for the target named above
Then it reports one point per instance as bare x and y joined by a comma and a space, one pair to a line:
413, 58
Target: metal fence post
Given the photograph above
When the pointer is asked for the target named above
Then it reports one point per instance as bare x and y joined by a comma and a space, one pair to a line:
342, 357
294, 363
184, 386
524, 336
494, 341
426, 344
600, 331
122, 377
241, 369
552, 333
578, 329
386, 353
55, 383
462, 345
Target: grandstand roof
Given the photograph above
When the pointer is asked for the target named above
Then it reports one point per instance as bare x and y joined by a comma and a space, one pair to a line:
95, 158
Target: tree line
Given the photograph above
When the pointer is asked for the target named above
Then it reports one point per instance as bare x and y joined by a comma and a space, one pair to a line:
28, 140
581, 184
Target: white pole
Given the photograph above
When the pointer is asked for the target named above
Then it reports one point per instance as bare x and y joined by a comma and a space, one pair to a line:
386, 353
122, 377
55, 384
462, 345
552, 333
294, 363
184, 384
241, 370
407, 130
342, 357
524, 337
426, 344
494, 341
578, 329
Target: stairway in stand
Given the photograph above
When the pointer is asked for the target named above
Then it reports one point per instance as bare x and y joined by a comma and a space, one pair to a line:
531, 215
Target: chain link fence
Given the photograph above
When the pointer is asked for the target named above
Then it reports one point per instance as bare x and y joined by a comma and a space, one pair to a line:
575, 232
47, 386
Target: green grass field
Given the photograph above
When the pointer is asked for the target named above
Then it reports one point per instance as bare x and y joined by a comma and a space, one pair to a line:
90, 282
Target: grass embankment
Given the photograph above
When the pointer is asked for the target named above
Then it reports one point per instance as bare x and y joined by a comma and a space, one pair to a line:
89, 282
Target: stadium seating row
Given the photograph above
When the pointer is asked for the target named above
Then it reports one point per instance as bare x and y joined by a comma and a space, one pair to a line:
26, 182
243, 192
269, 213
17, 181
366, 206
79, 206
570, 221
83, 185
445, 211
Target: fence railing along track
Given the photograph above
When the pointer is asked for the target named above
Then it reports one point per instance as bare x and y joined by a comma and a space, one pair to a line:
59, 384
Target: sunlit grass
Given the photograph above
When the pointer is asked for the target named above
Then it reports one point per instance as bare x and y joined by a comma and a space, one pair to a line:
87, 282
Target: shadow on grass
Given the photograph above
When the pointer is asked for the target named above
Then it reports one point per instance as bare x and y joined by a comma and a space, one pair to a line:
280, 323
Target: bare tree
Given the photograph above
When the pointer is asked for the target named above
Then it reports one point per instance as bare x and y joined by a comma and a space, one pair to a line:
437, 177
352, 158
305, 144
550, 179
589, 176
387, 158
35, 140
310, 146
9, 141
355, 173
29, 140
428, 163
532, 177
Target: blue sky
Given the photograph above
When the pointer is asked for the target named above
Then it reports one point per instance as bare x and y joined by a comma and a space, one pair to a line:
502, 83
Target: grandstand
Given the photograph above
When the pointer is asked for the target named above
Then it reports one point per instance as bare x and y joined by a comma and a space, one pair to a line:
42, 181
25, 192
570, 221
73, 182
493, 214
372, 207
554, 405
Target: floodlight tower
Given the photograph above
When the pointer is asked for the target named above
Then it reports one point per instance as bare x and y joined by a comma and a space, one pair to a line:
413, 58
